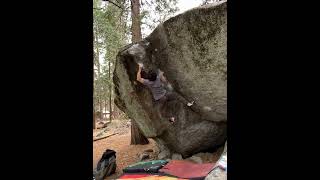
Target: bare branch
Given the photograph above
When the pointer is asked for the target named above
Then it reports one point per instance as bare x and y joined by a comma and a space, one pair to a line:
113, 3
97, 8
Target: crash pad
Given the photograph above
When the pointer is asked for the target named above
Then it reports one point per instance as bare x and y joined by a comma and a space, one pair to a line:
149, 166
132, 176
147, 177
186, 169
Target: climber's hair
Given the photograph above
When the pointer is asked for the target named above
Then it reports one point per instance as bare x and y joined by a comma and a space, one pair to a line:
144, 74
152, 75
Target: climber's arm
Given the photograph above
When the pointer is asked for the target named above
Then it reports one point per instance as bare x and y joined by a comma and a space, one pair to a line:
163, 79
139, 74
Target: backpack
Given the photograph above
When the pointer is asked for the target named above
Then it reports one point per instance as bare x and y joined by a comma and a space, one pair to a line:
106, 165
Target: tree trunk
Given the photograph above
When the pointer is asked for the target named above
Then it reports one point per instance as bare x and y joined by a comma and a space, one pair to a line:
105, 104
94, 111
98, 84
136, 21
94, 120
94, 117
110, 92
136, 135
99, 110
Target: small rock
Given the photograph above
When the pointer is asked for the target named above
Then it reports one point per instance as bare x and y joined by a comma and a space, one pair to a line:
164, 154
148, 150
195, 159
176, 156
144, 156
206, 157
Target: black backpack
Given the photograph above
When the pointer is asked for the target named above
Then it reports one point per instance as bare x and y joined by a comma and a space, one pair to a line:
106, 165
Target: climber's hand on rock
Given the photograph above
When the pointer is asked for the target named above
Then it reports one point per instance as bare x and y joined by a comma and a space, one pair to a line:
139, 73
140, 65
190, 103
169, 87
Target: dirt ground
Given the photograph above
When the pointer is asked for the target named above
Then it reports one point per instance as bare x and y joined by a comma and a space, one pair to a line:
127, 154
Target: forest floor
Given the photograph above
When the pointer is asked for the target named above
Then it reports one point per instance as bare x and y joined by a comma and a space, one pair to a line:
127, 154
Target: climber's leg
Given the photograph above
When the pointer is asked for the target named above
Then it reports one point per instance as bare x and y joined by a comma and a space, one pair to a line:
158, 107
163, 110
175, 96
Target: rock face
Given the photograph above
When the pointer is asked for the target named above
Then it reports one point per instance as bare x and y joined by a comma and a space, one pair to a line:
191, 50
195, 159
176, 156
144, 156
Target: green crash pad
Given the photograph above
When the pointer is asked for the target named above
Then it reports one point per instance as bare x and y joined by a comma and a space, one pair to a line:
148, 166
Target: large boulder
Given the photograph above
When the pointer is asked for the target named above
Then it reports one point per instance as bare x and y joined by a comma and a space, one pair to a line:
191, 50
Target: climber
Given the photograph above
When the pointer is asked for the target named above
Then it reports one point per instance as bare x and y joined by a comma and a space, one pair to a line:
156, 81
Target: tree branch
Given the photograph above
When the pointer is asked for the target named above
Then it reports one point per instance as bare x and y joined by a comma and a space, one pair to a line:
113, 3
118, 2
98, 8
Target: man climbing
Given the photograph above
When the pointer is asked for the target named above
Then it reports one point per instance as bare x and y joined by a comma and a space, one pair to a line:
156, 81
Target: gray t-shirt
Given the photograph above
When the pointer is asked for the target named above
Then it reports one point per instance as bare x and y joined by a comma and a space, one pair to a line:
156, 87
